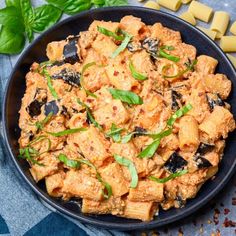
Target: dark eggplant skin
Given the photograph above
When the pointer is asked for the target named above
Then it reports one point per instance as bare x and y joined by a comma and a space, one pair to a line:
51, 107
204, 148
180, 201
151, 46
69, 76
212, 102
140, 131
134, 47
202, 162
34, 108
70, 51
175, 96
175, 163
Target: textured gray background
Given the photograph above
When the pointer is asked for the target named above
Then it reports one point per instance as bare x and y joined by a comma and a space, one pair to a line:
30, 211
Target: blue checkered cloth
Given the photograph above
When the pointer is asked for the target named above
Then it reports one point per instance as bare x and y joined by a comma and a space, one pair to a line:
22, 213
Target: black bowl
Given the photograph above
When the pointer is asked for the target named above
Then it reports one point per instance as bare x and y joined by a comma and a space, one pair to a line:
73, 25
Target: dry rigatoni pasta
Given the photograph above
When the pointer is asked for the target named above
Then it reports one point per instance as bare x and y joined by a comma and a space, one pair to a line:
233, 28
173, 5
200, 11
232, 59
188, 16
208, 32
220, 23
152, 5
228, 43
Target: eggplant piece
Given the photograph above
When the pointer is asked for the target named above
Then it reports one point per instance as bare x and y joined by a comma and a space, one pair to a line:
180, 201
175, 163
140, 131
151, 46
34, 108
134, 47
175, 97
70, 51
204, 148
69, 76
51, 107
202, 162
214, 100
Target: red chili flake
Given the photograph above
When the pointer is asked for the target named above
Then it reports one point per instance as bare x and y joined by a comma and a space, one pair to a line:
234, 201
91, 148
116, 73
229, 223
89, 100
226, 211
114, 108
216, 216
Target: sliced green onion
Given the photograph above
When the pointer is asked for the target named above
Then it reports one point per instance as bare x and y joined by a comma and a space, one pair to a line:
179, 113
135, 73
130, 165
123, 45
49, 82
67, 132
68, 162
82, 79
90, 116
172, 176
40, 124
115, 133
164, 54
126, 96
110, 33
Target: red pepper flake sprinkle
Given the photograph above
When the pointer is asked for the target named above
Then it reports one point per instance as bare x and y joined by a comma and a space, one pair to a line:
216, 216
116, 73
226, 211
114, 108
229, 223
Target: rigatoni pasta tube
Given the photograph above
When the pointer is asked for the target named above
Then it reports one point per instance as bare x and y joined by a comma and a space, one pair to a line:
228, 43
173, 5
232, 59
152, 5
200, 11
208, 32
233, 28
186, 1
188, 134
220, 23
55, 50
188, 16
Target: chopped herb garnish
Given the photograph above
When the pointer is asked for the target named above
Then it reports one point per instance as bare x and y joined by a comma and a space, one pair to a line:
172, 176
49, 82
164, 54
126, 96
90, 116
127, 137
82, 79
110, 33
123, 45
179, 113
135, 73
67, 132
40, 124
45, 64
68, 162
130, 165
115, 133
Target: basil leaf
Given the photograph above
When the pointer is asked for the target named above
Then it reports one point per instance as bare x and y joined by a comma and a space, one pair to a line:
28, 16
105, 184
123, 45
12, 19
67, 132
125, 96
164, 54
49, 82
11, 42
45, 16
172, 176
71, 7
127, 137
179, 113
115, 133
13, 3
68, 162
40, 124
90, 116
136, 74
82, 78
150, 150
110, 33
130, 165
161, 134
111, 3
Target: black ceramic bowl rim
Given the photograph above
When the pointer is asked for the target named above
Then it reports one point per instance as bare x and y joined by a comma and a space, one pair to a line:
84, 218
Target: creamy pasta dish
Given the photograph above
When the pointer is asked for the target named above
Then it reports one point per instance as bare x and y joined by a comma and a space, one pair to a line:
126, 118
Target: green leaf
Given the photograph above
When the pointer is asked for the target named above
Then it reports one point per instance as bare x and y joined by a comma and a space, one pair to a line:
130, 165
172, 176
123, 45
110, 33
49, 83
11, 18
111, 3
13, 3
11, 42
115, 133
150, 150
71, 7
164, 54
181, 112
40, 124
135, 73
126, 96
28, 16
127, 137
45, 16
67, 132
68, 162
